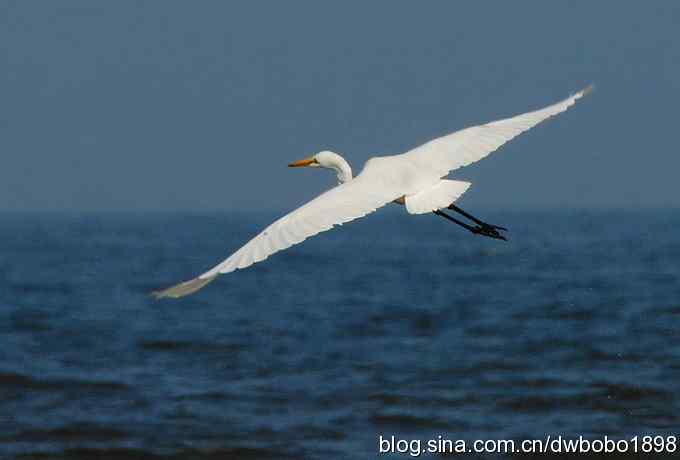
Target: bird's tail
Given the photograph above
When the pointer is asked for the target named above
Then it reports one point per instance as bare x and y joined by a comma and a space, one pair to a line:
185, 288
436, 197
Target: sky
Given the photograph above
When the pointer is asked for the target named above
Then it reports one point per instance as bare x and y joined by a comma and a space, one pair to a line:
199, 106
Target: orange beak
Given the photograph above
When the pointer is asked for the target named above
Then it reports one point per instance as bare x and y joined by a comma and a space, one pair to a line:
305, 162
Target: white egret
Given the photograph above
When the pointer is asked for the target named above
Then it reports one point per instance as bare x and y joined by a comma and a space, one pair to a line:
415, 179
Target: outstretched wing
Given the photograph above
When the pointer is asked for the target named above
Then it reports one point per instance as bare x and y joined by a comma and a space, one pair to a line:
341, 204
466, 146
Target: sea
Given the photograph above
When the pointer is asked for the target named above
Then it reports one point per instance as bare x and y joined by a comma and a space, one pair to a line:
393, 328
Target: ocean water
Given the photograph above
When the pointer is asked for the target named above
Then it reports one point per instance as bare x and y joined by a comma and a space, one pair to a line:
392, 325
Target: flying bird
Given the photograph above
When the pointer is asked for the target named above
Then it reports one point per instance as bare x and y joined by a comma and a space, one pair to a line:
415, 179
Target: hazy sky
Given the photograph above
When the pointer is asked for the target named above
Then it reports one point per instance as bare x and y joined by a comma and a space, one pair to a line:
160, 105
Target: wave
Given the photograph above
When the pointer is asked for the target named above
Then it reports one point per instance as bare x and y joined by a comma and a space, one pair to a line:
14, 380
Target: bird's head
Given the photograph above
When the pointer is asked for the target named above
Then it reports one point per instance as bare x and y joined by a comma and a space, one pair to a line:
329, 160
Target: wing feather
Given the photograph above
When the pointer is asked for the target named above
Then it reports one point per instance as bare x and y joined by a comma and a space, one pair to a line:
461, 148
344, 203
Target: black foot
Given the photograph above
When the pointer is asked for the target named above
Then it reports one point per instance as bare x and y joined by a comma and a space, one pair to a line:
498, 227
489, 230
482, 225
482, 228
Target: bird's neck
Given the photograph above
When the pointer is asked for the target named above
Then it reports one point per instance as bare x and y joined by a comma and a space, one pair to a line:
343, 170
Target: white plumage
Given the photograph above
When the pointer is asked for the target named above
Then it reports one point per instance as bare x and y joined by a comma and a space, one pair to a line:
414, 178
439, 196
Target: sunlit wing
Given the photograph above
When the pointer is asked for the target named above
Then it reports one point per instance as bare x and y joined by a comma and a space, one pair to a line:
466, 146
337, 206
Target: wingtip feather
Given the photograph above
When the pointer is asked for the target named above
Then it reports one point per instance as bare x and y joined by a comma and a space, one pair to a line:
182, 289
587, 90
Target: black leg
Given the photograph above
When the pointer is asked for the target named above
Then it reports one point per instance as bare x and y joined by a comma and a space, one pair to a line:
453, 207
454, 220
478, 230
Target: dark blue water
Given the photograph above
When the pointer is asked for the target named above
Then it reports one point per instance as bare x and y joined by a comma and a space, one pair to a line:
391, 325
